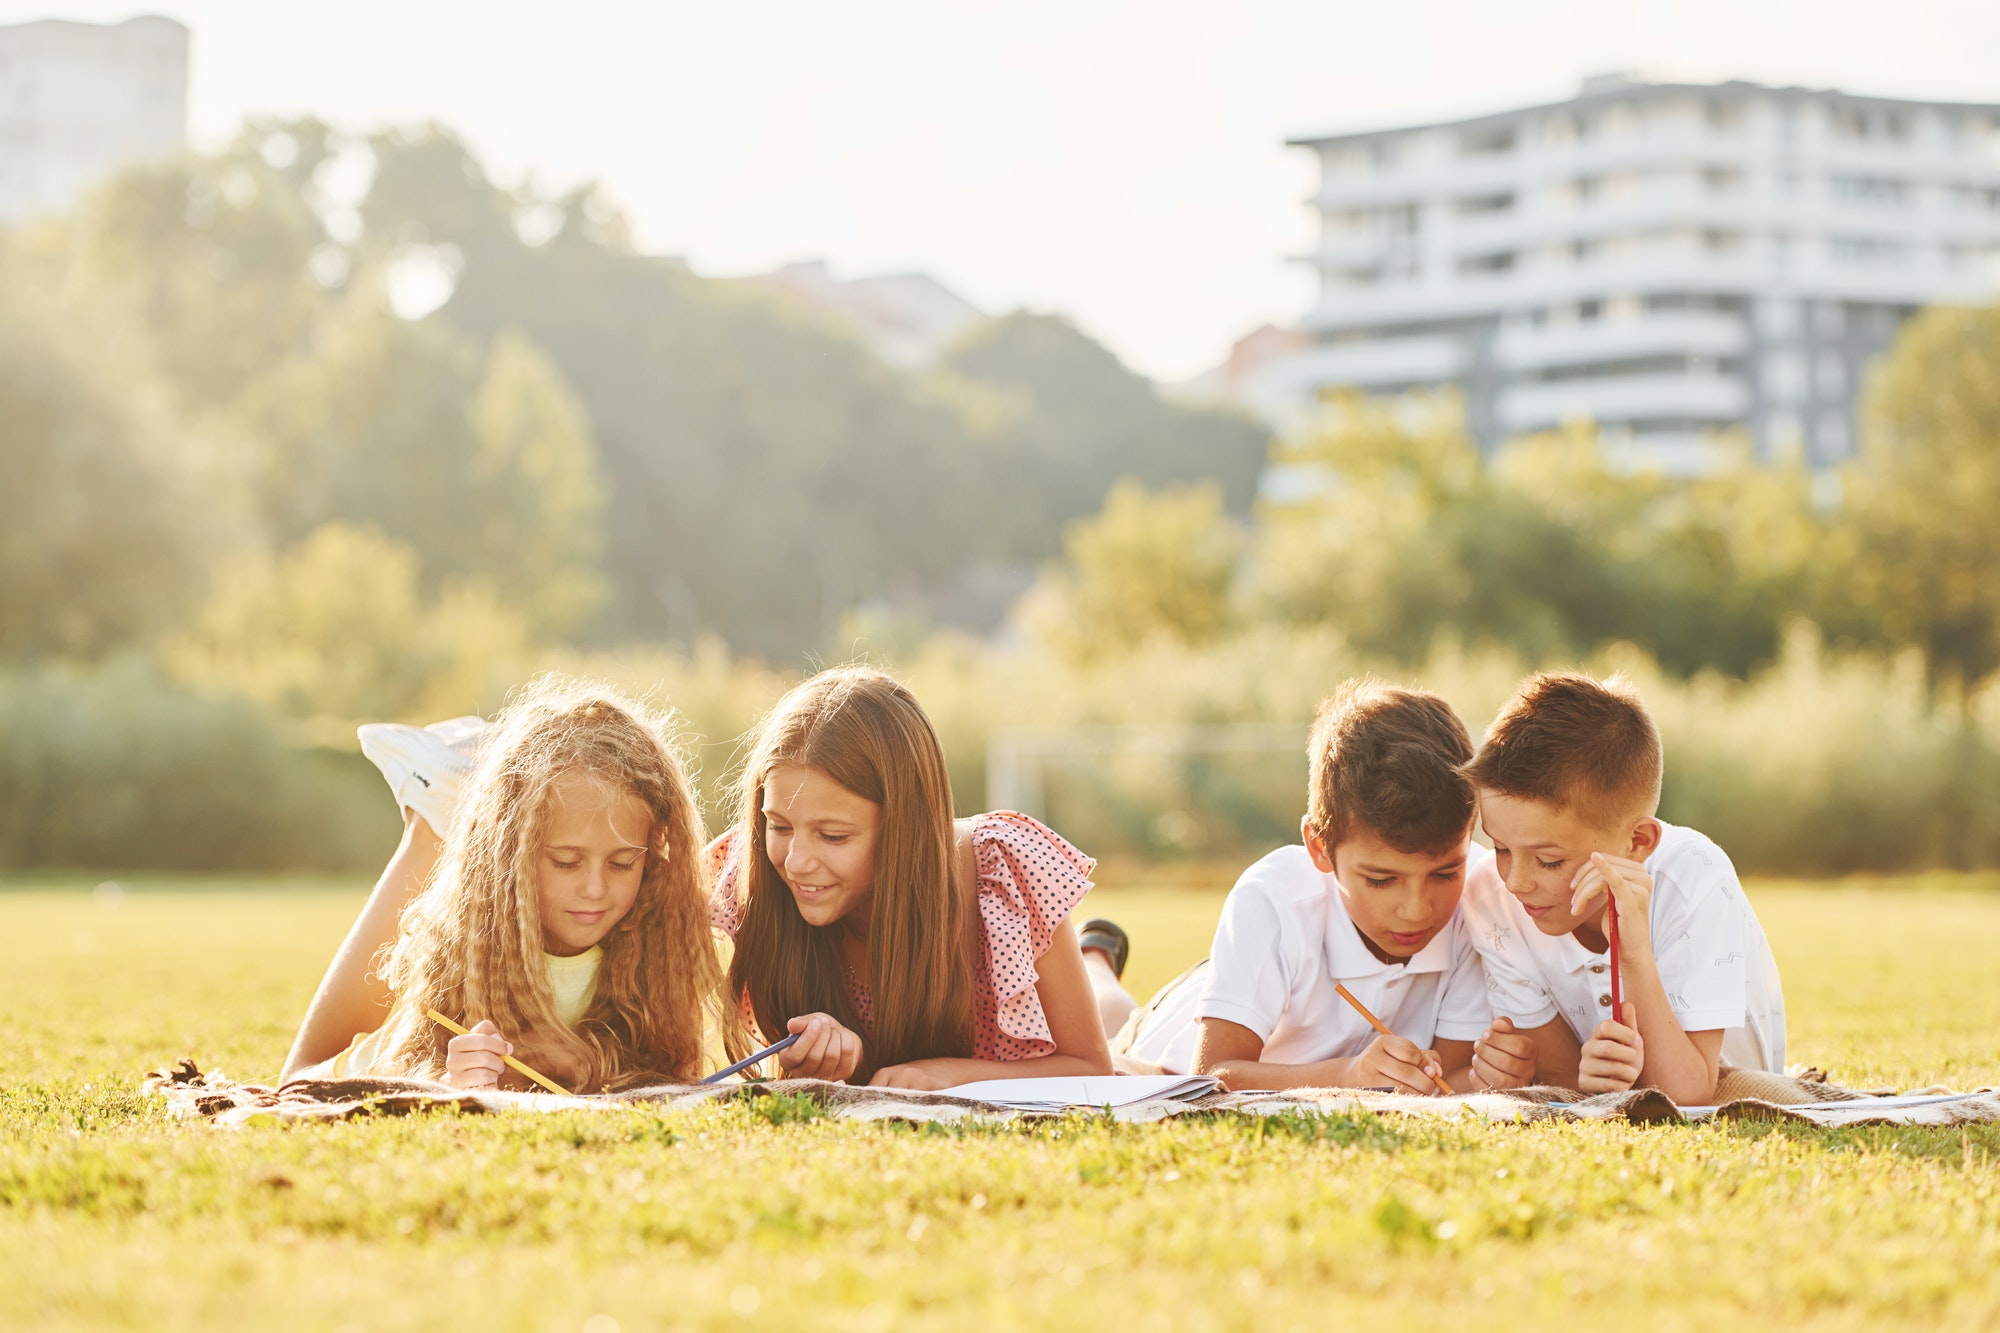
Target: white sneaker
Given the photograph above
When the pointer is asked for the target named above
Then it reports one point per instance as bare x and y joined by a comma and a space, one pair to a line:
426, 767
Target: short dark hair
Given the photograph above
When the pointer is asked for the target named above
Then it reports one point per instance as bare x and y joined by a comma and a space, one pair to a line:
1389, 760
1577, 743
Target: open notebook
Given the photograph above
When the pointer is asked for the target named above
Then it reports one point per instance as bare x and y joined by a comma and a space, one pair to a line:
1057, 1094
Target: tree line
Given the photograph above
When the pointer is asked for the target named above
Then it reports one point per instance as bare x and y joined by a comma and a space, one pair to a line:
1406, 536
209, 394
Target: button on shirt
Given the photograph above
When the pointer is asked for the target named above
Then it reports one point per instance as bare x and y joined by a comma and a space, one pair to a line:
1283, 940
1713, 959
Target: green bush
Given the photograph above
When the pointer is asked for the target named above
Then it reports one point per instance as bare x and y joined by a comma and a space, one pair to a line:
1824, 763
112, 767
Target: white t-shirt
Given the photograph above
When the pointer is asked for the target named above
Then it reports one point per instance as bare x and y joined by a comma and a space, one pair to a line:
574, 981
1283, 941
1713, 959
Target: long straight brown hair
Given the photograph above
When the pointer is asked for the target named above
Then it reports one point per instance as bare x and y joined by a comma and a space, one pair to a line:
865, 731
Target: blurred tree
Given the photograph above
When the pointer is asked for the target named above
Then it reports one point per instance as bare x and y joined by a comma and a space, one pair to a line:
1373, 542
1702, 572
483, 466
765, 471
1921, 543
1152, 563
1062, 420
100, 543
1408, 535
209, 259
338, 630
535, 491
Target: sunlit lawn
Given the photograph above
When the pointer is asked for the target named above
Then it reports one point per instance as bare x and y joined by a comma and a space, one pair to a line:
112, 1216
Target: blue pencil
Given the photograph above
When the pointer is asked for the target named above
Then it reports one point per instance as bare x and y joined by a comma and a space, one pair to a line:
746, 1062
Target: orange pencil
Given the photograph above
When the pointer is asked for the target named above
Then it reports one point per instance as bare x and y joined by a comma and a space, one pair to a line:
1382, 1028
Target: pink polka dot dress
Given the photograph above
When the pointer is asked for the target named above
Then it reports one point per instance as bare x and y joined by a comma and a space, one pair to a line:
1030, 879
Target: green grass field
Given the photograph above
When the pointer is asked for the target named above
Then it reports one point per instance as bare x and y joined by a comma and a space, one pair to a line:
111, 1216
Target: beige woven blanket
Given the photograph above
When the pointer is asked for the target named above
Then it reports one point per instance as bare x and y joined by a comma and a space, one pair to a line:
1741, 1095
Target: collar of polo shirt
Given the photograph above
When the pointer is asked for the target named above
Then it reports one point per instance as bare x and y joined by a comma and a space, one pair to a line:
1576, 958
1348, 954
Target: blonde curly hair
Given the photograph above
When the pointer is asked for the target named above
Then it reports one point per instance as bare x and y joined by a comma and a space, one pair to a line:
470, 945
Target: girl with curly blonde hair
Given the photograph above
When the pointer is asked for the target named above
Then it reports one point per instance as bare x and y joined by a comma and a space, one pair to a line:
563, 914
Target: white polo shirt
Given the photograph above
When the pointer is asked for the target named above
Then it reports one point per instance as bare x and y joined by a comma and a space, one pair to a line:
1714, 961
1283, 941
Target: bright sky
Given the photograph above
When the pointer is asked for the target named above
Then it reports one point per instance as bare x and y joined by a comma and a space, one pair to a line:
1118, 161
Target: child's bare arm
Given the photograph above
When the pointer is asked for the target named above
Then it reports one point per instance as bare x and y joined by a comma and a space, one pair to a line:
351, 999
1650, 1049
1456, 1057
1679, 1063
1234, 1054
1558, 1054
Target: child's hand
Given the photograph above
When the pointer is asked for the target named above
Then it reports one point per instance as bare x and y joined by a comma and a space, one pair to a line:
1398, 1062
1631, 887
918, 1076
473, 1060
1613, 1057
1503, 1058
824, 1049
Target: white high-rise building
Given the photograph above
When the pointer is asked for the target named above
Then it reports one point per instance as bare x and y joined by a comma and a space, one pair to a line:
78, 101
1665, 260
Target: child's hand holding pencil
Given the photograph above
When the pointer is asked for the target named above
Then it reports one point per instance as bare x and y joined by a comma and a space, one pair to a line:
474, 1058
826, 1049
1393, 1059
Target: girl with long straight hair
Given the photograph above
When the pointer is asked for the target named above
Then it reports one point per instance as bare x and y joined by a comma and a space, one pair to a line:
908, 949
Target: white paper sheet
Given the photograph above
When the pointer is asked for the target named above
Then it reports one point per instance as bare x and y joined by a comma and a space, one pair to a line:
1057, 1094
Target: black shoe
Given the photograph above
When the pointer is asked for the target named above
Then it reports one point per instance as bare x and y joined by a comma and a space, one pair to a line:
1109, 939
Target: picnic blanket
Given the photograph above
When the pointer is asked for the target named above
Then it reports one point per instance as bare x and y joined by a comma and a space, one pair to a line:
1741, 1095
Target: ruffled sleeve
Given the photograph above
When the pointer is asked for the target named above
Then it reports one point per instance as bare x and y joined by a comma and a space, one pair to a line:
1030, 879
725, 905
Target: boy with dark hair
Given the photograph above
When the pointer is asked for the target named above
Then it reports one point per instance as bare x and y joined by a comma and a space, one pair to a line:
1568, 780
1368, 901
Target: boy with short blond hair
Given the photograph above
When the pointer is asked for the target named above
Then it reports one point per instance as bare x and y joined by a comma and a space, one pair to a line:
1369, 900
1568, 780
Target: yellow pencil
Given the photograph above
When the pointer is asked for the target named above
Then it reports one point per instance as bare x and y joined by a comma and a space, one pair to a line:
511, 1062
1373, 1022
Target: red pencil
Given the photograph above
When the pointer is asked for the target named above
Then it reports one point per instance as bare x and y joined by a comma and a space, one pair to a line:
1611, 933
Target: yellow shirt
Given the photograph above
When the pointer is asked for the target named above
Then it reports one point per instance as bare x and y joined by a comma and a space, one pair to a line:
574, 981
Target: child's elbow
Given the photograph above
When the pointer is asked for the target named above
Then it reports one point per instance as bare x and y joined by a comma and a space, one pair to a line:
1691, 1089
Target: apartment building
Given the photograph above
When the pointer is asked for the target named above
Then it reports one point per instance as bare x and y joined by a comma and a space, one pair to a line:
78, 101
1669, 261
